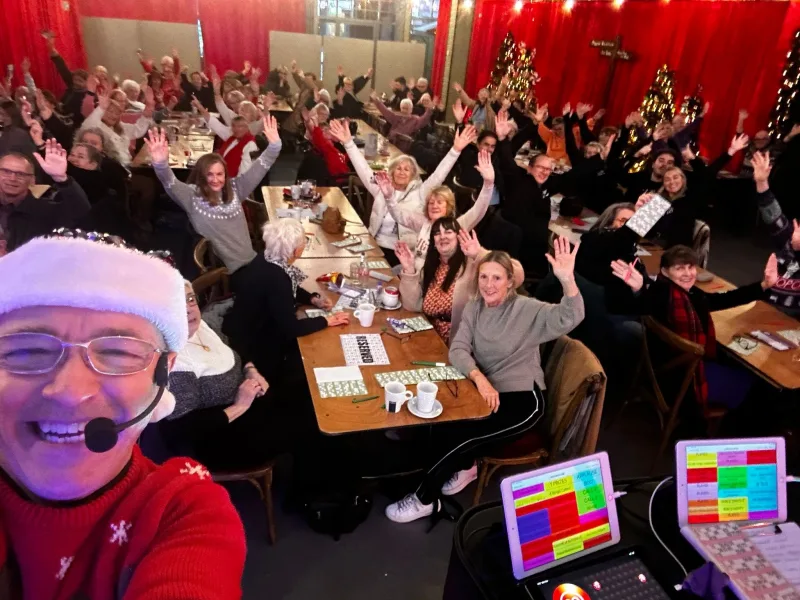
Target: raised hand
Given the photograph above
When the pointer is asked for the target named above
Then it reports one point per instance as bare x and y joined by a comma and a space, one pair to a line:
761, 170
582, 109
340, 129
607, 148
599, 114
687, 153
627, 273
271, 129
216, 82
743, 114
464, 138
563, 261
470, 246
457, 87
643, 199
644, 150
54, 162
37, 134
157, 146
540, 116
459, 112
706, 108
340, 71
771, 274
485, 167
294, 66
384, 182
26, 65
566, 109
738, 143
405, 256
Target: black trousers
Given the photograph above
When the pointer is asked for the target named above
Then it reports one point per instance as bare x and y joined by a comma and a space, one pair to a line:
456, 447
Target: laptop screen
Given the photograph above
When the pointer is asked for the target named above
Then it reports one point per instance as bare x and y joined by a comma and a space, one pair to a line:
560, 513
732, 482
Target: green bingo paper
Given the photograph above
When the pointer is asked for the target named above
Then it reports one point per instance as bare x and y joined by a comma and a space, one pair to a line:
414, 376
378, 264
338, 389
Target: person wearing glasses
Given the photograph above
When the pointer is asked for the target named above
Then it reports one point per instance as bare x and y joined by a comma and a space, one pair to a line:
88, 331
23, 216
221, 416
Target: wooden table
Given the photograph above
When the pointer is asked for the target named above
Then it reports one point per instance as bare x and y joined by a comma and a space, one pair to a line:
184, 149
320, 245
281, 105
323, 349
364, 129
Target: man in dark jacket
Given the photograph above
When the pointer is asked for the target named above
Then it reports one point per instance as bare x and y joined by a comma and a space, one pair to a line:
22, 215
467, 173
347, 105
72, 100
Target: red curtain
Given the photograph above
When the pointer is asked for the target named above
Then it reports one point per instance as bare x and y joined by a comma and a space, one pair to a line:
20, 24
735, 50
174, 11
440, 45
235, 31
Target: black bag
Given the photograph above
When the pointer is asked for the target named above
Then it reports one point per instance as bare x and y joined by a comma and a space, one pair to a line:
336, 512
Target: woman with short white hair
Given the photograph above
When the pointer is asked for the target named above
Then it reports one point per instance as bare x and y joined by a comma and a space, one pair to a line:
409, 190
131, 89
262, 326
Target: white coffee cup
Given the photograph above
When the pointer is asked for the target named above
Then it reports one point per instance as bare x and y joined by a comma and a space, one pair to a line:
396, 396
365, 313
296, 189
321, 208
426, 395
390, 297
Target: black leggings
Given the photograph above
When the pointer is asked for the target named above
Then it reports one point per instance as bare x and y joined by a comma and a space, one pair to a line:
458, 446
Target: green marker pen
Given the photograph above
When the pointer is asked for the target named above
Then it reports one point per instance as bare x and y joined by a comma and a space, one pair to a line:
427, 363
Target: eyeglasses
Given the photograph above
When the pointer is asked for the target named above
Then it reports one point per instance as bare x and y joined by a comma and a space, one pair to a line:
37, 353
9, 174
452, 387
191, 299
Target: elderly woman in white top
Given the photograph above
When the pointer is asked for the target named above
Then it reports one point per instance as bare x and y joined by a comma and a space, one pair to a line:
407, 189
107, 118
441, 202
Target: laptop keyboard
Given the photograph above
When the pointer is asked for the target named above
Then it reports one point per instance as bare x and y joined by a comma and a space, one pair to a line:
622, 578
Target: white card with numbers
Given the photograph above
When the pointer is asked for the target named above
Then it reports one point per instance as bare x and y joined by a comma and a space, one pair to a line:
644, 219
364, 349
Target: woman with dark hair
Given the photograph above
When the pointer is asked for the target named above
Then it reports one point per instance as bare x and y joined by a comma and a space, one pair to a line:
440, 289
673, 300
212, 200
15, 137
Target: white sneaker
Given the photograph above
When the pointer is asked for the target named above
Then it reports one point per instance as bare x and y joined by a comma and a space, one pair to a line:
408, 509
459, 481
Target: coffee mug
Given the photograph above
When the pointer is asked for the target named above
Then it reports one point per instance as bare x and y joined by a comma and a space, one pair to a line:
321, 208
296, 189
426, 395
396, 396
365, 313
390, 296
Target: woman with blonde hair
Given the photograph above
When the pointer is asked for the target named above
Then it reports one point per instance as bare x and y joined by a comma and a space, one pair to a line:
441, 202
213, 200
497, 348
405, 187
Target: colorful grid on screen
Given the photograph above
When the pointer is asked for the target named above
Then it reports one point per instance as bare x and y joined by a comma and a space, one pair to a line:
732, 482
560, 513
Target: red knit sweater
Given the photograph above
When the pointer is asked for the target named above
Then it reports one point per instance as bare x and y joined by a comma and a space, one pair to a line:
161, 532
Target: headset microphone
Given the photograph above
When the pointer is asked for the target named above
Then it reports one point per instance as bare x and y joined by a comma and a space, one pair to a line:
101, 434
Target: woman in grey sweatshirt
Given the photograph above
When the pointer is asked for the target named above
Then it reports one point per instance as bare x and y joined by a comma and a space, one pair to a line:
212, 200
497, 347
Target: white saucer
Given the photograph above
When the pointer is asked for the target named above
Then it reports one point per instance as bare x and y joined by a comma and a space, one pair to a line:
437, 409
384, 307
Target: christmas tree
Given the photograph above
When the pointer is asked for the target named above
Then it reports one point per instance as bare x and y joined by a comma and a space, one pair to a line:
505, 60
659, 101
692, 106
522, 76
785, 112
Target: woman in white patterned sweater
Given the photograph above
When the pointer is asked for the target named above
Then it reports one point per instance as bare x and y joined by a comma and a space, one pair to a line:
409, 191
213, 201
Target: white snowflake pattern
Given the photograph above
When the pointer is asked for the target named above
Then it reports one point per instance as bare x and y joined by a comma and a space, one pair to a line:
198, 470
66, 561
120, 535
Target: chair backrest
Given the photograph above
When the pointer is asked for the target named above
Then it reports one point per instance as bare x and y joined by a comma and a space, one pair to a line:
464, 195
701, 241
204, 256
576, 388
403, 142
684, 356
210, 286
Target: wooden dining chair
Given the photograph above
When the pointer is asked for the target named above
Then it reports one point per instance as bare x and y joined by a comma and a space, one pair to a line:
204, 256
681, 365
211, 286
403, 142
261, 478
255, 214
573, 376
465, 195
701, 241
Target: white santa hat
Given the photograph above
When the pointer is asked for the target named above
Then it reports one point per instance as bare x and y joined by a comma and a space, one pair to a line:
95, 271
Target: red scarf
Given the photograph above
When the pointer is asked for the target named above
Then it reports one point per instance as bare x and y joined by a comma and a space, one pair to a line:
234, 158
684, 320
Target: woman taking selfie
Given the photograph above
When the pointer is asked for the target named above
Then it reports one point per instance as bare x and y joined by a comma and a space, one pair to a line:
212, 200
497, 348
